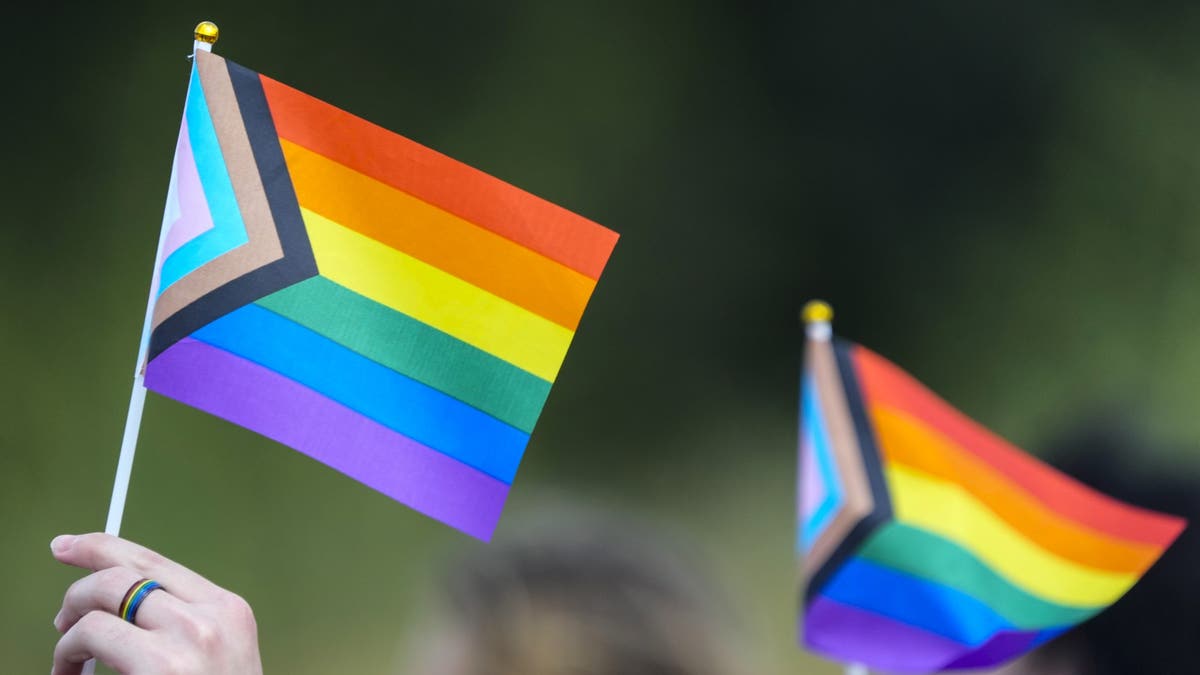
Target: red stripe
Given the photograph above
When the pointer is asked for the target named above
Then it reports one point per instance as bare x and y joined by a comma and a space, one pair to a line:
446, 183
884, 383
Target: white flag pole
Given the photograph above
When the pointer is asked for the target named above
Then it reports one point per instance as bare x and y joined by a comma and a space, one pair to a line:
818, 317
205, 35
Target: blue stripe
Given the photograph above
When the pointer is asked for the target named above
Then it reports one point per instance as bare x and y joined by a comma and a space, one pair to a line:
916, 602
818, 437
136, 601
228, 230
407, 406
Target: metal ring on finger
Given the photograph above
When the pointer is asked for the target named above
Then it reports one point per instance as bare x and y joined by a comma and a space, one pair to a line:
134, 597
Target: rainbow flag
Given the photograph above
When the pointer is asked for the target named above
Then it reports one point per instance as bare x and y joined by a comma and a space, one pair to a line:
372, 303
929, 543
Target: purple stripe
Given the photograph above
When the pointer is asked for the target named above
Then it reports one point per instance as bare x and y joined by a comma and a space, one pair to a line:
1002, 647
1006, 646
850, 634
262, 400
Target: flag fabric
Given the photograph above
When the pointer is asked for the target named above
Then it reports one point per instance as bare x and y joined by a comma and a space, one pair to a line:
339, 288
929, 543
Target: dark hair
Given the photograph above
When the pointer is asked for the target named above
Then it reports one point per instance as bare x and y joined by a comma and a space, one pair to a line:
585, 596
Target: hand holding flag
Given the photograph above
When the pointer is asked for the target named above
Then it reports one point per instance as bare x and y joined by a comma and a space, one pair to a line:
189, 625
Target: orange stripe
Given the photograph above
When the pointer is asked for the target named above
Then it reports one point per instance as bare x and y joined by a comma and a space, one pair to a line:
440, 239
907, 441
446, 183
885, 384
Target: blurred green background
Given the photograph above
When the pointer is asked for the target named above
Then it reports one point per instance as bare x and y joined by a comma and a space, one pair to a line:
1001, 197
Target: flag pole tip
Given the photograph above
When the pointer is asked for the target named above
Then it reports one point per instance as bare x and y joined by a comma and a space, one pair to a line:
206, 32
817, 311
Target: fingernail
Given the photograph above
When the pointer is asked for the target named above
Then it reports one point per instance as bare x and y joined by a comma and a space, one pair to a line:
61, 543
58, 619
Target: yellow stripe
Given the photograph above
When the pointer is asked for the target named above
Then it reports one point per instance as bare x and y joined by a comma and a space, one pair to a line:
130, 595
950, 511
456, 246
438, 299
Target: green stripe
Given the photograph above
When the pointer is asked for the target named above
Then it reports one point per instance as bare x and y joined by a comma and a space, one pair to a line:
414, 349
932, 558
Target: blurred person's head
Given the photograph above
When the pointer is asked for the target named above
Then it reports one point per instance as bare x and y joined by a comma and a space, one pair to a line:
581, 597
1154, 628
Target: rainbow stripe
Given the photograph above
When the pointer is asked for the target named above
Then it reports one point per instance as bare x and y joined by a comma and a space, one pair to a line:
372, 303
134, 597
931, 544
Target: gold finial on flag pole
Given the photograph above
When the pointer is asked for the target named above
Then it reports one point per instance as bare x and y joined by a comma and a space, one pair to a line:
206, 35
817, 316
206, 31
817, 311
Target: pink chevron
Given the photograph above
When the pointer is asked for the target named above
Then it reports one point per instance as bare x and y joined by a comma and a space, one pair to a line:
812, 487
185, 198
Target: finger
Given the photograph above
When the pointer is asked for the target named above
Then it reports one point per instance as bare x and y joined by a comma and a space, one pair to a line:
105, 590
98, 551
102, 636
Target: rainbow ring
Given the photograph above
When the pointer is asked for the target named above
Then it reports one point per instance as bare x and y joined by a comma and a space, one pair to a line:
134, 597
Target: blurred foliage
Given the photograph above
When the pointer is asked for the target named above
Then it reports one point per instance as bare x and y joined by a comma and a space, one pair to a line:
1001, 197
